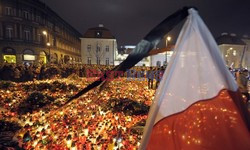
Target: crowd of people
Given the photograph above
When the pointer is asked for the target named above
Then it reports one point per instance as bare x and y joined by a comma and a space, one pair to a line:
153, 75
85, 123
242, 79
25, 72
29, 72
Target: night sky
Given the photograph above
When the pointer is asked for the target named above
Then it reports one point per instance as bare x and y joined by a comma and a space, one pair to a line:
130, 20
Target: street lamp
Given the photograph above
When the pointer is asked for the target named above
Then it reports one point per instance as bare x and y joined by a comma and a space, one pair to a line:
168, 39
48, 44
45, 33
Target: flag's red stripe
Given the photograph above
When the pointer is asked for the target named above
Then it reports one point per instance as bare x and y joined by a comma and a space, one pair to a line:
214, 124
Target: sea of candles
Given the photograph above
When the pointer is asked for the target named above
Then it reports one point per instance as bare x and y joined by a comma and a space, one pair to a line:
82, 124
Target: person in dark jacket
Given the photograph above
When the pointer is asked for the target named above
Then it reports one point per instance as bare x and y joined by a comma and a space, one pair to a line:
150, 76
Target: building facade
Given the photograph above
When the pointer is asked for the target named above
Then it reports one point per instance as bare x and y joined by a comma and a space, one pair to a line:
122, 53
156, 60
98, 46
31, 32
246, 58
233, 50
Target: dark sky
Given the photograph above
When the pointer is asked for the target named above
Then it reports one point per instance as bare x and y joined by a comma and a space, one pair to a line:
130, 20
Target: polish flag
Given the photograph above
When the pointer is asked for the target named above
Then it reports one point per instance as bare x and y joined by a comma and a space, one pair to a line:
197, 105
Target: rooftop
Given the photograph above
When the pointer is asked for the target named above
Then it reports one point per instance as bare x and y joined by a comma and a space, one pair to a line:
226, 38
98, 32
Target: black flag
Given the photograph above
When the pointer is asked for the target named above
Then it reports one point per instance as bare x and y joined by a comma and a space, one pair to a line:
142, 49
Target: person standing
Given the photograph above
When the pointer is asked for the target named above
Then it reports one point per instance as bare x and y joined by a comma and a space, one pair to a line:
150, 76
159, 75
242, 81
17, 74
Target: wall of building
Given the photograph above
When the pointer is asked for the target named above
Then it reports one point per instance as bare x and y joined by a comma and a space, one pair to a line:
158, 59
123, 53
89, 50
22, 23
232, 54
246, 60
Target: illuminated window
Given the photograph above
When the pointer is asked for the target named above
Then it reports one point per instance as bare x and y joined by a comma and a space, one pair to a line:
98, 34
9, 58
42, 58
29, 55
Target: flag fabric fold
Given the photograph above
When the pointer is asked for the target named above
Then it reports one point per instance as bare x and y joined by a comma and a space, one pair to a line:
141, 50
194, 107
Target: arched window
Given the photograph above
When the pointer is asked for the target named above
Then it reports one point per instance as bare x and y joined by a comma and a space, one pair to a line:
42, 57
9, 55
28, 55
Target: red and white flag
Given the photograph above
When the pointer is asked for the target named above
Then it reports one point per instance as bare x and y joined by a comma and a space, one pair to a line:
197, 105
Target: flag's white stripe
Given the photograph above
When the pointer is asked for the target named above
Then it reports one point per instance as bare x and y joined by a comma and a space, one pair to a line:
199, 72
196, 72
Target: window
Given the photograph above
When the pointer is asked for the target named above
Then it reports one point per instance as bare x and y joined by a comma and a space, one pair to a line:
8, 11
9, 32
98, 34
26, 14
50, 24
33, 17
28, 55
89, 48
98, 61
98, 49
57, 29
14, 12
107, 61
89, 60
26, 34
39, 37
107, 48
38, 19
